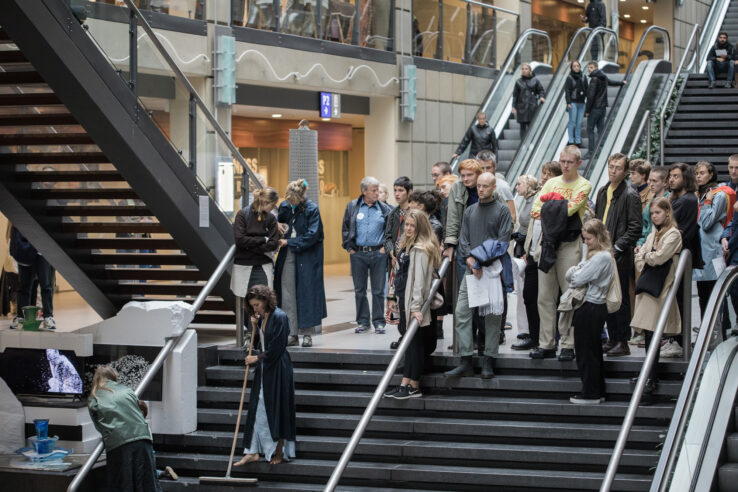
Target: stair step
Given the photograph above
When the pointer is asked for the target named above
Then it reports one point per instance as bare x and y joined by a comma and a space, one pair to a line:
43, 119
716, 98
12, 56
54, 158
45, 139
427, 450
125, 243
98, 210
30, 99
717, 144
727, 477
67, 176
113, 227
139, 259
474, 478
154, 274
695, 133
709, 152
188, 483
140, 289
21, 77
83, 194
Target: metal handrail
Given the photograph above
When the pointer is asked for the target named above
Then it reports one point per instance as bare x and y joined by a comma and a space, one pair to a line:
677, 74
645, 123
159, 361
611, 114
715, 18
682, 276
194, 96
679, 419
382, 386
511, 56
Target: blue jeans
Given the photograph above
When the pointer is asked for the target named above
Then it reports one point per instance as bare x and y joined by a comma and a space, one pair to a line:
42, 270
370, 266
716, 66
596, 119
576, 113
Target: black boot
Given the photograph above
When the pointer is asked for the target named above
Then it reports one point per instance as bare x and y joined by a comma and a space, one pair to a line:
487, 371
464, 369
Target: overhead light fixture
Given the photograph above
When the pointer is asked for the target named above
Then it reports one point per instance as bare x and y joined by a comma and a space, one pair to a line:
643, 21
276, 115
580, 1
627, 16
325, 119
644, 7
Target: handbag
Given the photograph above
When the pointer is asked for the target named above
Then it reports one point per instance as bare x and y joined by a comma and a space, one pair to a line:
614, 294
653, 278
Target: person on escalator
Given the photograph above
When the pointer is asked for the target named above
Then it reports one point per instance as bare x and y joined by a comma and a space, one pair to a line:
596, 106
479, 136
595, 15
576, 92
527, 94
720, 59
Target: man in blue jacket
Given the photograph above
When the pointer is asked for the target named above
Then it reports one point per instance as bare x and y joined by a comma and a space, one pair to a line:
31, 265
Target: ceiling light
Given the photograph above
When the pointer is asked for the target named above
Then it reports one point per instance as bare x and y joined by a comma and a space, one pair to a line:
644, 7
325, 119
580, 1
627, 16
643, 21
276, 115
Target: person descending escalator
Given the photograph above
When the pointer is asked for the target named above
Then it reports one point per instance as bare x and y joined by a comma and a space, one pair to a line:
528, 93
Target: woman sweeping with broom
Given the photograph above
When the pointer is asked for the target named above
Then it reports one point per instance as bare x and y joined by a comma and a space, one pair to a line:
270, 422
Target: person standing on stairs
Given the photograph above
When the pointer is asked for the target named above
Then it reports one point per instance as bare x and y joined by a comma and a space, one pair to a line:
418, 256
720, 59
596, 106
640, 171
299, 269
619, 208
576, 96
478, 137
32, 265
270, 427
592, 277
393, 232
487, 219
527, 95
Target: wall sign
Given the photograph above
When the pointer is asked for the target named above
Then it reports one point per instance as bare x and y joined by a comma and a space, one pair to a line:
330, 105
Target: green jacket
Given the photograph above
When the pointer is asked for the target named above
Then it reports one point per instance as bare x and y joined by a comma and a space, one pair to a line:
457, 197
116, 416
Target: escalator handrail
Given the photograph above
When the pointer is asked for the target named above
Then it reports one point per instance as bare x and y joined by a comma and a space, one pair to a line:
382, 386
715, 18
235, 154
681, 414
621, 93
553, 98
682, 275
672, 87
505, 67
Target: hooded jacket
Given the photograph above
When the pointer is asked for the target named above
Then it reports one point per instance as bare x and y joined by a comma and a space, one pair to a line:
480, 137
527, 92
686, 211
597, 90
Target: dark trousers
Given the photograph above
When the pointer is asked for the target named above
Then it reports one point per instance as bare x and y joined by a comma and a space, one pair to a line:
44, 272
588, 320
478, 327
618, 323
649, 336
422, 345
523, 128
530, 298
680, 305
369, 266
704, 289
595, 120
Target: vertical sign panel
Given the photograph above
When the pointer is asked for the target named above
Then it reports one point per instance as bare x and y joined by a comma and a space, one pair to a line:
326, 100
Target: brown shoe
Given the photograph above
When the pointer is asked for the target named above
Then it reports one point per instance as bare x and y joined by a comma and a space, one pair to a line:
618, 350
607, 346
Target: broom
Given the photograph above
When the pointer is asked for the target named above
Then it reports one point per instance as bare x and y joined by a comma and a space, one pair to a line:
228, 478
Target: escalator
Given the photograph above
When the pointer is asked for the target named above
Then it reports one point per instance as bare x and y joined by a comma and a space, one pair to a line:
88, 177
497, 104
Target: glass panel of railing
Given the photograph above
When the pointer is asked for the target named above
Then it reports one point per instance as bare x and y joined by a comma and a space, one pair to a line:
491, 36
258, 14
304, 17
376, 24
341, 24
190, 9
454, 30
425, 28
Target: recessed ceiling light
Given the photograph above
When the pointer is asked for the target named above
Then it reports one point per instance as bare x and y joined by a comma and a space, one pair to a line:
643, 21
644, 7
325, 119
276, 115
627, 16
580, 1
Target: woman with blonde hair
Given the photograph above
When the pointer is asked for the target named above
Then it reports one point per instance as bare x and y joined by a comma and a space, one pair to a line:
660, 255
299, 271
419, 255
593, 274
114, 410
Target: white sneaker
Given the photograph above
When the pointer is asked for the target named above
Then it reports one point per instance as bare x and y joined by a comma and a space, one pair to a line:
49, 323
17, 323
672, 349
637, 339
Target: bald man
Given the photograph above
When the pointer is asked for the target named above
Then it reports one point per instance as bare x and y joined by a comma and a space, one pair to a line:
486, 219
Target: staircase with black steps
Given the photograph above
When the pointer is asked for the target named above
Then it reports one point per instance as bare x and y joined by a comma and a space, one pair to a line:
55, 168
516, 431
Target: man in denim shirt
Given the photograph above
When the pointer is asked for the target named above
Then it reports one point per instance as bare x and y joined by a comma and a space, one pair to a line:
363, 235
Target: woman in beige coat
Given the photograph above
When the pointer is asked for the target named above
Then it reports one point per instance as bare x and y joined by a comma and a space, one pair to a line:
664, 243
419, 255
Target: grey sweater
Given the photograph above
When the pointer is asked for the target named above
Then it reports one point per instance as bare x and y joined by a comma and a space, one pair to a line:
484, 221
596, 273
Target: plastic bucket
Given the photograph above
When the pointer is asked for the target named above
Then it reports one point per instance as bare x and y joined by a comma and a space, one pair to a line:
42, 428
30, 322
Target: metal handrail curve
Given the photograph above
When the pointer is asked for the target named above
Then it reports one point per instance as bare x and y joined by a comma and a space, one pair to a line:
611, 114
677, 74
682, 275
382, 386
511, 56
159, 361
192, 92
675, 434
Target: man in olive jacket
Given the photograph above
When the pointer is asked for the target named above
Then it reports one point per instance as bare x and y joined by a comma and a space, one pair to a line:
619, 207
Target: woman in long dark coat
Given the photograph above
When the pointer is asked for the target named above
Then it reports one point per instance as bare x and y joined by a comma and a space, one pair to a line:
270, 422
528, 92
299, 270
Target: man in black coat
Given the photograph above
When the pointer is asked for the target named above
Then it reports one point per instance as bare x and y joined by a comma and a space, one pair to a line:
596, 103
619, 207
595, 15
480, 135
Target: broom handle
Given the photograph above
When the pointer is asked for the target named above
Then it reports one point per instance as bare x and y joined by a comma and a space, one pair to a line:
240, 404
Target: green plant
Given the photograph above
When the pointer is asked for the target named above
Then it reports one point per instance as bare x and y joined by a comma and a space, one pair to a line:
655, 130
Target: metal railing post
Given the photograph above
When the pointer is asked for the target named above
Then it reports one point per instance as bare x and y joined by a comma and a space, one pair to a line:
239, 321
193, 133
133, 52
648, 138
277, 15
439, 39
357, 24
687, 314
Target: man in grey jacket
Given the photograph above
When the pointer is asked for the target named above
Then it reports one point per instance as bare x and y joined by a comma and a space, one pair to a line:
487, 219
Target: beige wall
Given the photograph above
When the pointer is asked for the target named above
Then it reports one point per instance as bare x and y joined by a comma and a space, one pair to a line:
684, 19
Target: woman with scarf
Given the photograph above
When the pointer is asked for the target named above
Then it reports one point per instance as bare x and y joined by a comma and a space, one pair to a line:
576, 90
527, 94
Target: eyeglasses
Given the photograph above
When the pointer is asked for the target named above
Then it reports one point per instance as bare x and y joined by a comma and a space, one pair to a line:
435, 175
